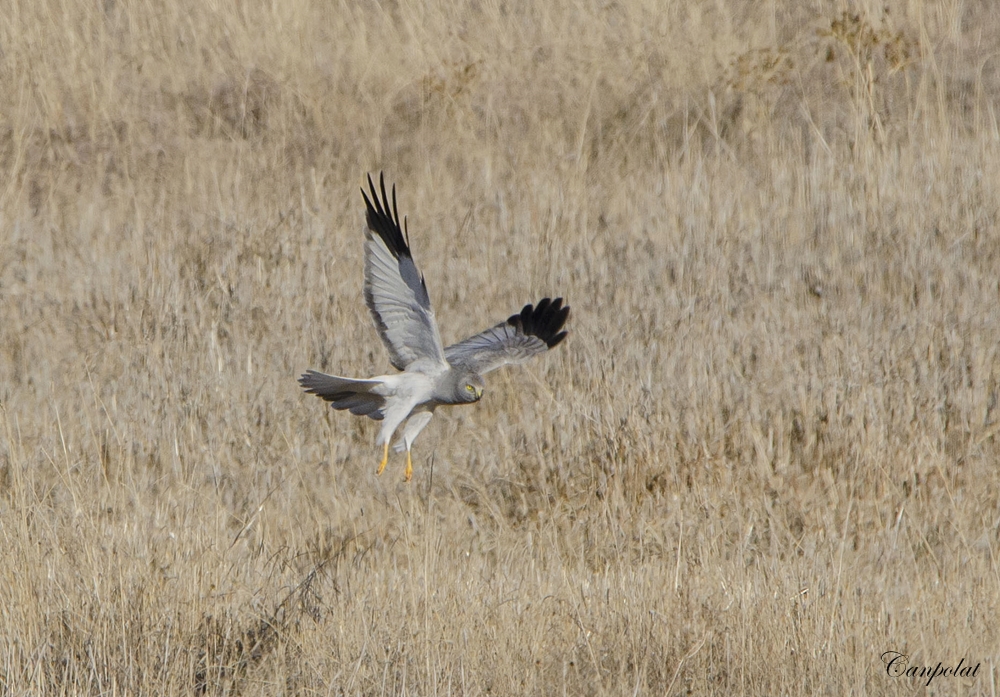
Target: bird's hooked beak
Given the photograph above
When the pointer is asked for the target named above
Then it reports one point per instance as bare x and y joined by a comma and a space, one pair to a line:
479, 392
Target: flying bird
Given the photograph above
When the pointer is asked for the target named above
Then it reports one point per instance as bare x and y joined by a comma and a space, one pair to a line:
431, 375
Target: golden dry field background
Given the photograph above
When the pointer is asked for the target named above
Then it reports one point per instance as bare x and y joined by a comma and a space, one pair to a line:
766, 453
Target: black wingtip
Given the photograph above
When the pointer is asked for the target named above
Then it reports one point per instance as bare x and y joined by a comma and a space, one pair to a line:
544, 320
383, 219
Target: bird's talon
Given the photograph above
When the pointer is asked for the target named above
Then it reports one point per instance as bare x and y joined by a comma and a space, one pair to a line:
385, 459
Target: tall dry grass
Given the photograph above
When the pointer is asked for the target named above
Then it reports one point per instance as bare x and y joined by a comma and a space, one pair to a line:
766, 454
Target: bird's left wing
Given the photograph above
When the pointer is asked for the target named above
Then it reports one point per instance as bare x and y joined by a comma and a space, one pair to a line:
395, 291
534, 330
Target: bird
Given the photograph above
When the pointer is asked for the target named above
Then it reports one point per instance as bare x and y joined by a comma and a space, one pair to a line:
431, 375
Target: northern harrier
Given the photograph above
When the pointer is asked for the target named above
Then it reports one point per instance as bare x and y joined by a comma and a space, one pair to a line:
431, 375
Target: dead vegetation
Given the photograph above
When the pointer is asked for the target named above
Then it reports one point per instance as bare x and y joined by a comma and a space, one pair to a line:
765, 455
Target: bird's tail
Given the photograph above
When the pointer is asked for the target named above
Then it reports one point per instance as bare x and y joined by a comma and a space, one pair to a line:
345, 393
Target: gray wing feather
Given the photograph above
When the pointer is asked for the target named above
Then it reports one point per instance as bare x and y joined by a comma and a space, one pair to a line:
395, 291
534, 330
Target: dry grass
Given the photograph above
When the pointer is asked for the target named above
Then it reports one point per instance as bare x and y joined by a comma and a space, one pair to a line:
766, 454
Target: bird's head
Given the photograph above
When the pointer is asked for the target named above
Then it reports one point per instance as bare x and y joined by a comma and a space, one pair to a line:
470, 387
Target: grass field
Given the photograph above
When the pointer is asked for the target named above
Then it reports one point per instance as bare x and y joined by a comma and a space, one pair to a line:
766, 453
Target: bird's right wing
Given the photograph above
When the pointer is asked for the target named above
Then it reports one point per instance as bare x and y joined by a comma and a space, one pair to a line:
532, 331
395, 291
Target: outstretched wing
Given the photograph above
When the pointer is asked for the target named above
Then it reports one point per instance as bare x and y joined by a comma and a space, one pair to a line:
532, 331
395, 291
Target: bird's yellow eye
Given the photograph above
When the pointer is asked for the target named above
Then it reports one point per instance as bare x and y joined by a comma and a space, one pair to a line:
470, 388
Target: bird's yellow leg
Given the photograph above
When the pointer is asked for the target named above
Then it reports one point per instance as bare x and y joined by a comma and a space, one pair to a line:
409, 467
385, 459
